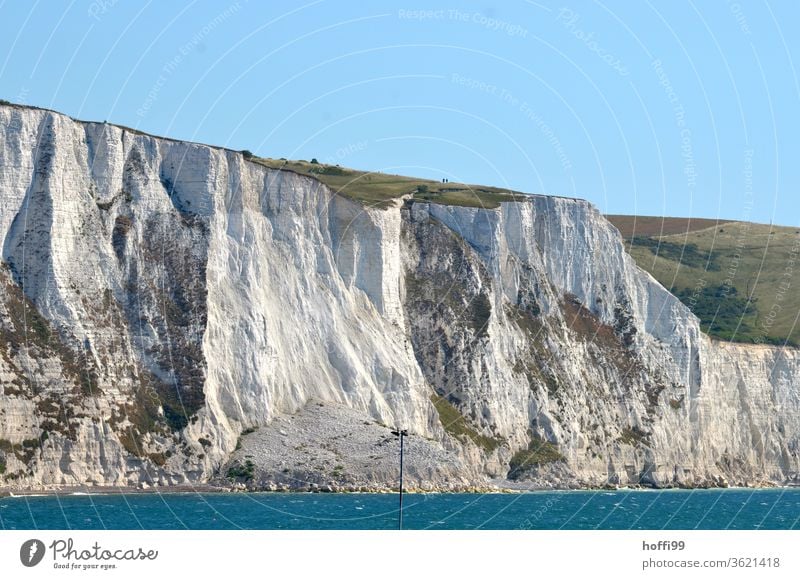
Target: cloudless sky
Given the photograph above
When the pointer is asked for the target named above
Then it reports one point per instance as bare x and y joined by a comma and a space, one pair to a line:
652, 108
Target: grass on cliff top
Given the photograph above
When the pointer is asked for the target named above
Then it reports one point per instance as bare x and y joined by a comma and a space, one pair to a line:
381, 189
739, 278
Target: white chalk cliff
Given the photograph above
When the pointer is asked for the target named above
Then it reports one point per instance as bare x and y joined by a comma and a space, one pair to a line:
162, 300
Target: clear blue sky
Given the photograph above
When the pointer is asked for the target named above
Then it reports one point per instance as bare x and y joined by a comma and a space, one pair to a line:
677, 108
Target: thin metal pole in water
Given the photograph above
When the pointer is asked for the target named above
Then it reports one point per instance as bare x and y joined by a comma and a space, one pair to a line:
402, 434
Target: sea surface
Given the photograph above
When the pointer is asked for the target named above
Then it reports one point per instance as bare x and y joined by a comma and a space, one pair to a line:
672, 509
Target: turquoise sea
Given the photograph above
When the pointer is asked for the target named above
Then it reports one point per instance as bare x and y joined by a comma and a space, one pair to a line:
672, 509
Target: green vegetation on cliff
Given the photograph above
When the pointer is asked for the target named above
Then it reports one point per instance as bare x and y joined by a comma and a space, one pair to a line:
381, 189
456, 425
740, 279
539, 452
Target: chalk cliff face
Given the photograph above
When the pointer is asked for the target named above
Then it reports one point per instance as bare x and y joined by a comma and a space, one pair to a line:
163, 301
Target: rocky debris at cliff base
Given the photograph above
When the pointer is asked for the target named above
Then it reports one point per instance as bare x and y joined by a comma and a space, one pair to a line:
329, 447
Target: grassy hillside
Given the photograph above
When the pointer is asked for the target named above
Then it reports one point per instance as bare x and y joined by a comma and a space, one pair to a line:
379, 189
643, 226
741, 279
